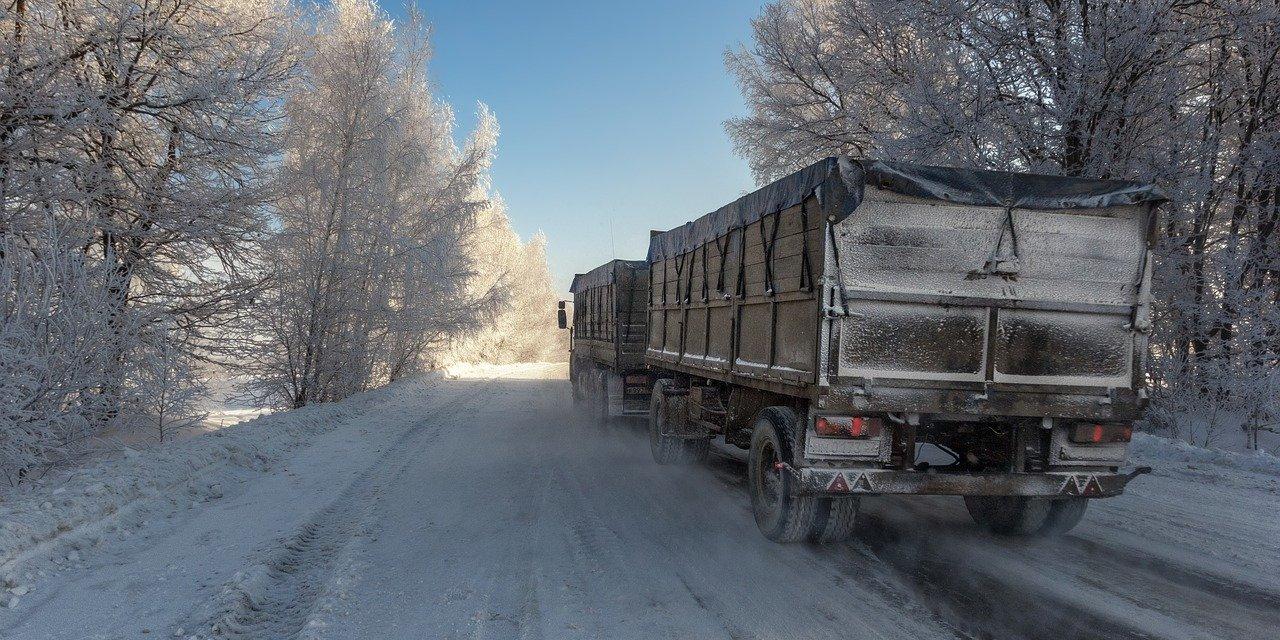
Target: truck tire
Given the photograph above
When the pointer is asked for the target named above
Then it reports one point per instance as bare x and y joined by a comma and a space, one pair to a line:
1008, 515
781, 512
1063, 516
667, 449
841, 515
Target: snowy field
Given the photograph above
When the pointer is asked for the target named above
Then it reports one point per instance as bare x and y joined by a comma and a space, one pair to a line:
478, 505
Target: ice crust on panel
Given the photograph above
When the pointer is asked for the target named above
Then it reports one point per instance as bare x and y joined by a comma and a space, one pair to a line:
1054, 343
888, 337
892, 244
896, 244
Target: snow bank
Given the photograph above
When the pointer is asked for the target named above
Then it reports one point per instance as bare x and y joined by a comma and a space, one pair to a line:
1155, 449
77, 508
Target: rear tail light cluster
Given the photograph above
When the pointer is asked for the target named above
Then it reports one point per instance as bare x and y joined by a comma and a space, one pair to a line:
1094, 433
848, 426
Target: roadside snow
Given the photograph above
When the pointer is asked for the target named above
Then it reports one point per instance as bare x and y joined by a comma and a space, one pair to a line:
57, 518
1155, 449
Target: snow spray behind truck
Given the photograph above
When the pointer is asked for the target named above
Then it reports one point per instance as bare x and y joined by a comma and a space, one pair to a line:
851, 317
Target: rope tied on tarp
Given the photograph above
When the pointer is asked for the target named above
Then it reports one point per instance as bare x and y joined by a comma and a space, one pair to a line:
999, 263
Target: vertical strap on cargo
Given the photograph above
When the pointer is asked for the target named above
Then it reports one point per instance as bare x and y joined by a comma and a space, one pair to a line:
724, 257
679, 274
995, 265
705, 283
768, 244
689, 280
741, 288
664, 281
806, 269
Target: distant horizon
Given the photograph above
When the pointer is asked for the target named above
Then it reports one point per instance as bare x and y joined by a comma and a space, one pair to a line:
627, 101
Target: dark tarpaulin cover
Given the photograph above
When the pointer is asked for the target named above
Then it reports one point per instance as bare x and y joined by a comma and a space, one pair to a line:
603, 274
846, 176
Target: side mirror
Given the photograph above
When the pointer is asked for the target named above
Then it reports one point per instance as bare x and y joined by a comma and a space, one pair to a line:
562, 318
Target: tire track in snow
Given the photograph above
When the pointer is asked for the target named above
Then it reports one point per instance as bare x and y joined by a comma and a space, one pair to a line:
972, 586
1182, 575
278, 599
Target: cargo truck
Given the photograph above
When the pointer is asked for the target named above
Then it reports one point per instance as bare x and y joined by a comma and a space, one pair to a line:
606, 360
867, 327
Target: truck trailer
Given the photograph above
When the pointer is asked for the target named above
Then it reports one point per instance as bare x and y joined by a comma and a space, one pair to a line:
867, 327
606, 359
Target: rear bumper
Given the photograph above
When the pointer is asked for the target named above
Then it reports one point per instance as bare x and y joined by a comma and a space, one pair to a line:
1062, 484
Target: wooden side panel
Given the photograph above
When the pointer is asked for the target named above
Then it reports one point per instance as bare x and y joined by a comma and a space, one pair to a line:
795, 347
755, 332
743, 307
720, 342
610, 321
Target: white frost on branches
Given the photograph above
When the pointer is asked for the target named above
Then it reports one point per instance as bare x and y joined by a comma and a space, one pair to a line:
521, 326
1184, 93
190, 183
384, 224
136, 146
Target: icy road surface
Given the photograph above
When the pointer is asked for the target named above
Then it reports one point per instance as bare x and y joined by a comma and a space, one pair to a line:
481, 507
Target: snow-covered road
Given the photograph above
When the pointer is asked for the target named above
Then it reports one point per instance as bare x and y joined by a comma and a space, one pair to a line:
482, 507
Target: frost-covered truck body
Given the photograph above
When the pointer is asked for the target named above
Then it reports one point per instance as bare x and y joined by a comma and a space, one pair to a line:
842, 319
606, 365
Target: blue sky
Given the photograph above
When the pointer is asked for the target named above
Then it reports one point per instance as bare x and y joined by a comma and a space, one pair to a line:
611, 113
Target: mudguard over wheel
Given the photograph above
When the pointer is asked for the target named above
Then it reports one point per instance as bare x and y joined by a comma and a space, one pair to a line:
781, 512
667, 449
1026, 516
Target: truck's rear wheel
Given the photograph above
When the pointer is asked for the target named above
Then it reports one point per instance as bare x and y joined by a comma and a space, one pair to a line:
841, 514
1008, 515
781, 511
668, 449
1063, 516
1026, 516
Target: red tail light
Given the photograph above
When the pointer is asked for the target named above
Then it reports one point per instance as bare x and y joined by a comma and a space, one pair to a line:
848, 427
638, 379
1087, 433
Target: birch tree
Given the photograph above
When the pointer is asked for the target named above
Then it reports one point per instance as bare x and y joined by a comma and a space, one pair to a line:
521, 327
371, 264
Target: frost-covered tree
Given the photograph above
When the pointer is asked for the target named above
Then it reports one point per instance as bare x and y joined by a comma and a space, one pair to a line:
521, 327
370, 264
1179, 92
56, 343
137, 139
173, 385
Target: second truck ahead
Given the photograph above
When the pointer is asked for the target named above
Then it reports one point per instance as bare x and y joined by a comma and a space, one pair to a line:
869, 327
